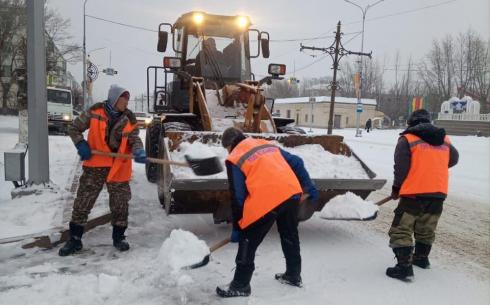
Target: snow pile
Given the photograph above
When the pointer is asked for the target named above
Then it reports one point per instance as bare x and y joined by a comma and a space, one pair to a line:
181, 249
348, 206
322, 164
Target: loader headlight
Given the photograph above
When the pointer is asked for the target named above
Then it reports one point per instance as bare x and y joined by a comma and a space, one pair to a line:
198, 18
242, 22
66, 117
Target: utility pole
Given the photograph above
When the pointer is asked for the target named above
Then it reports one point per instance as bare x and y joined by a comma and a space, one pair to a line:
37, 105
336, 52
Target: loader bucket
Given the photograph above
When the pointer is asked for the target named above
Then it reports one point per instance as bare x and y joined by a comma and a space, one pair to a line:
184, 193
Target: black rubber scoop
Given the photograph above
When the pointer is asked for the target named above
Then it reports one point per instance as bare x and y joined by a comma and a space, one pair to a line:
205, 166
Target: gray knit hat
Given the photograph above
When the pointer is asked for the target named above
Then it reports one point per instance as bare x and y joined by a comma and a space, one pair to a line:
115, 92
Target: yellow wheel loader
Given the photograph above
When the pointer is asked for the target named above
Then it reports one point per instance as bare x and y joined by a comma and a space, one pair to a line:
208, 86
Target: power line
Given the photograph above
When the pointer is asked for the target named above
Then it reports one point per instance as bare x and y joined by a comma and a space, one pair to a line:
311, 38
122, 24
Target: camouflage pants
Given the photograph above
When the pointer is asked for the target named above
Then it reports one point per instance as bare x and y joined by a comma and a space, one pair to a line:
90, 185
417, 218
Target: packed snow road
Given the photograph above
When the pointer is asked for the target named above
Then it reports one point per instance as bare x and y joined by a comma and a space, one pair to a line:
343, 262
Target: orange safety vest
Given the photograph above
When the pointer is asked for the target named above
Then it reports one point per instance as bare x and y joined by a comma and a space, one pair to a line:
428, 167
120, 168
268, 177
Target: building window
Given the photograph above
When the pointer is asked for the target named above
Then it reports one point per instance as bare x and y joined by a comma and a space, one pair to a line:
288, 114
313, 118
346, 120
306, 118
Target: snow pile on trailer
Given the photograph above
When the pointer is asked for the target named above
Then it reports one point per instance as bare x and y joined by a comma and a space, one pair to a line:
320, 163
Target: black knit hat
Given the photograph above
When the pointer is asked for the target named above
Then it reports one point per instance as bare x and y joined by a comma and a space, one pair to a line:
418, 116
231, 137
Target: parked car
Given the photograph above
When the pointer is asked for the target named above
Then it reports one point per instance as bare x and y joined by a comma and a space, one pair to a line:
144, 119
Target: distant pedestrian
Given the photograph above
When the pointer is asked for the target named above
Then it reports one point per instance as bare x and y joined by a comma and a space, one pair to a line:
422, 158
369, 125
112, 128
267, 186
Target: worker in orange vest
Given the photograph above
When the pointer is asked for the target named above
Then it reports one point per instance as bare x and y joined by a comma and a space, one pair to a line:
266, 184
112, 128
422, 158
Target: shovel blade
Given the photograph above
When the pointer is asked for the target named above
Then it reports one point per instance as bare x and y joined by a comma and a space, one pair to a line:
205, 166
372, 217
202, 263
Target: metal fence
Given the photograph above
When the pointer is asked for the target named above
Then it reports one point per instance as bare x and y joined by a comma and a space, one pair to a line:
464, 117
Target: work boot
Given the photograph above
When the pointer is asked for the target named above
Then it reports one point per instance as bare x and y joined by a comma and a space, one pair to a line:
74, 244
230, 291
284, 278
403, 269
118, 239
421, 255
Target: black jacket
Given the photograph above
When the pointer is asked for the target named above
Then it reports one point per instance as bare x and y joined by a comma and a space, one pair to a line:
428, 133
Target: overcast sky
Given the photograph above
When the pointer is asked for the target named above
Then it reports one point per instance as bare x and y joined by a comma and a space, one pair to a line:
407, 26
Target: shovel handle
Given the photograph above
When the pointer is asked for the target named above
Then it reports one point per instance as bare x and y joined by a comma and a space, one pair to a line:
383, 201
125, 156
219, 244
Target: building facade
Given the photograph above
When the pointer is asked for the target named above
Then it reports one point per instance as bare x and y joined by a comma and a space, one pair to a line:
316, 114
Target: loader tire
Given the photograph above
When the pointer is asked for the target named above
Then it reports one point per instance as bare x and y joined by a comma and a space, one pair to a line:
151, 146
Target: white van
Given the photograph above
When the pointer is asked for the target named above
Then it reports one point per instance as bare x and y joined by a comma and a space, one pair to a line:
60, 109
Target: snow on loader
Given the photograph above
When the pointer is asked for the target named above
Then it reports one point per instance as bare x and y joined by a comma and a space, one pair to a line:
207, 87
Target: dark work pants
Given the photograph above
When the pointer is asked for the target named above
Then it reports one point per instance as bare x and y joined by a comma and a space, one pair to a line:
286, 217
415, 218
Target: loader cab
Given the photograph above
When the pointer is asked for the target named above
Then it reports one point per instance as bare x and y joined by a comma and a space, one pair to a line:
218, 48
214, 47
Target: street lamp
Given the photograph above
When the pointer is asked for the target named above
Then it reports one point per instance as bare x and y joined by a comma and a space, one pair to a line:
359, 103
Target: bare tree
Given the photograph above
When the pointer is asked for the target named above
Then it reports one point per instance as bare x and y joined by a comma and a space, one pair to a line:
13, 48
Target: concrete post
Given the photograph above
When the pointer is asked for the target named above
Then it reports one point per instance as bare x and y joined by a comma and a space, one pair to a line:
36, 94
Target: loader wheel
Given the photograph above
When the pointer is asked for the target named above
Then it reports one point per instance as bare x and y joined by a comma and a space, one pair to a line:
151, 147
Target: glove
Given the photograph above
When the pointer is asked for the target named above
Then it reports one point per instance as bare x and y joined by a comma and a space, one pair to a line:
140, 156
235, 236
83, 150
395, 192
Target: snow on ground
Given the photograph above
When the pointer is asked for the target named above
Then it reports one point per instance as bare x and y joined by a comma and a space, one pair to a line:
44, 210
343, 262
348, 206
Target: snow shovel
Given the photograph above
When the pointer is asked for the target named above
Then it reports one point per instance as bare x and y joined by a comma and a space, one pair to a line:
373, 217
205, 260
200, 167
